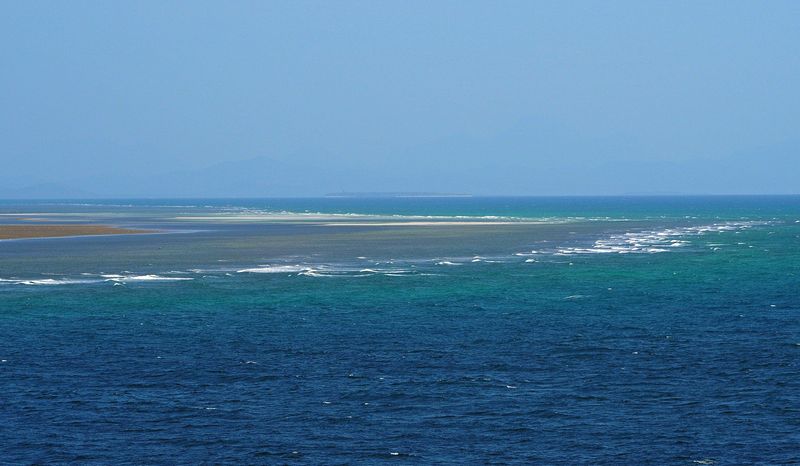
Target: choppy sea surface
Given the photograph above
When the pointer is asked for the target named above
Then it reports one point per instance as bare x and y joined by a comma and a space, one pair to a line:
614, 330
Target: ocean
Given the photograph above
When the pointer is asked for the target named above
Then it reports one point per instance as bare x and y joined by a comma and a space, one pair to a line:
575, 330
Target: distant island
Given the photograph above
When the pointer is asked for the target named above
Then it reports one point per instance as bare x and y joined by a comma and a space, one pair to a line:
396, 194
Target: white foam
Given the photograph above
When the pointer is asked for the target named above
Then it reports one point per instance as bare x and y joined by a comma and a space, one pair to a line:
448, 263
276, 269
48, 281
143, 278
312, 273
52, 281
352, 218
656, 241
331, 271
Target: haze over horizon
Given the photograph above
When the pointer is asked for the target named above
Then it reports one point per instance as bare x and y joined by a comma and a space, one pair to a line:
251, 99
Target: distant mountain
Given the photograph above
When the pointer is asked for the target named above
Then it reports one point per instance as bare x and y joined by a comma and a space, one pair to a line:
531, 159
46, 191
524, 169
254, 177
395, 194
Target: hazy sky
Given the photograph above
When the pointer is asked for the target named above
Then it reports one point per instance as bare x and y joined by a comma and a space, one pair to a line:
498, 97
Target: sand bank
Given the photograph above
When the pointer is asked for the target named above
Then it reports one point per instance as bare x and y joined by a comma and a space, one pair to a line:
54, 231
427, 224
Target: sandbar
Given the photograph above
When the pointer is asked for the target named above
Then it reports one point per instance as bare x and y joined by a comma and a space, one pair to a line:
55, 231
429, 224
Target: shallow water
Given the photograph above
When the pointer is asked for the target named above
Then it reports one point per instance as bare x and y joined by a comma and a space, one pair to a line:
588, 330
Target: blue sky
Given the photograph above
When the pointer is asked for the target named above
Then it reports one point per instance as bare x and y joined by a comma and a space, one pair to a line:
301, 98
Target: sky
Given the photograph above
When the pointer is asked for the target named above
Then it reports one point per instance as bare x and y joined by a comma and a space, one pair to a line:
294, 98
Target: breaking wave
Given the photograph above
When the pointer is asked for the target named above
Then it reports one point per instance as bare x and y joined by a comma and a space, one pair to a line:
654, 241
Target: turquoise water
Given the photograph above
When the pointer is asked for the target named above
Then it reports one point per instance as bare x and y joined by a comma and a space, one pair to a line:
328, 331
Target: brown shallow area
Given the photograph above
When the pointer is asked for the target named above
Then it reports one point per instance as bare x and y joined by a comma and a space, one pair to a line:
54, 231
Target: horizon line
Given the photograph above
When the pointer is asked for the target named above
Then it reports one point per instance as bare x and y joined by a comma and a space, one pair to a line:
408, 196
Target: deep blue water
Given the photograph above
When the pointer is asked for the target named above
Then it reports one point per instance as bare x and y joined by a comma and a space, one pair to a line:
575, 331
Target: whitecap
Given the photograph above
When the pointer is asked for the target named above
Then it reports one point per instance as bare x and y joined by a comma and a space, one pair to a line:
143, 278
275, 269
657, 241
313, 273
53, 281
